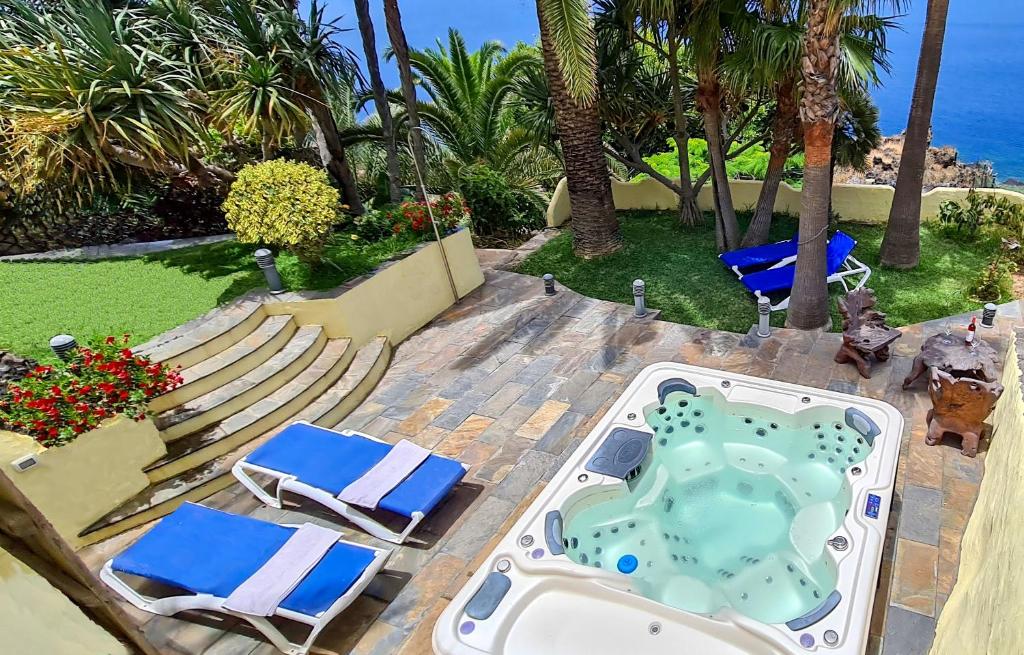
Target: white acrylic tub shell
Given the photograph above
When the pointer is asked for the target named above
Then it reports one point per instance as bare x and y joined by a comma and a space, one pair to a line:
557, 607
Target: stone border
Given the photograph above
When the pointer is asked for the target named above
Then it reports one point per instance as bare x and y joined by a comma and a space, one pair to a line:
89, 253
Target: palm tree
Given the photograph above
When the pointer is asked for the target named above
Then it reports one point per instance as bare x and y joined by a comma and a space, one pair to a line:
396, 33
773, 61
819, 109
901, 246
819, 113
380, 98
469, 116
568, 44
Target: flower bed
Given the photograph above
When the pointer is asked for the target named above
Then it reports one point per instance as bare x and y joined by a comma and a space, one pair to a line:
449, 211
55, 404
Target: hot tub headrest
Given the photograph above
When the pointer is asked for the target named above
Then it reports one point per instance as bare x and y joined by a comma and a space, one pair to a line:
672, 385
620, 453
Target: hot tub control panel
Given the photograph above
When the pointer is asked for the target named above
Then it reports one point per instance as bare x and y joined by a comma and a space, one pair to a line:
874, 503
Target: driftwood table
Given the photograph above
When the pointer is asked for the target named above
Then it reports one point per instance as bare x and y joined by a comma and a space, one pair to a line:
950, 353
865, 333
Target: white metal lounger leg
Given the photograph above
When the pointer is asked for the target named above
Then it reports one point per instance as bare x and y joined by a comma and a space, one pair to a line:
241, 472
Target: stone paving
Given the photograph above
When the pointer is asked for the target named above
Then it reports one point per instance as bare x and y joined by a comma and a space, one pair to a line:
510, 381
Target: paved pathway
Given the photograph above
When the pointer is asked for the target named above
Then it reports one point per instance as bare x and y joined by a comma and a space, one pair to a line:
510, 381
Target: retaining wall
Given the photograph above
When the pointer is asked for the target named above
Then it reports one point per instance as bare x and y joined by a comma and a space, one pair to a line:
860, 203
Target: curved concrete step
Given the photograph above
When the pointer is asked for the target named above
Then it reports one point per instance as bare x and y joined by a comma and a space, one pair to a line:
367, 368
198, 447
206, 410
232, 363
203, 338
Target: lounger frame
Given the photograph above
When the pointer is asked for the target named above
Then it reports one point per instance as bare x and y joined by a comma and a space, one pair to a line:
851, 267
170, 605
243, 470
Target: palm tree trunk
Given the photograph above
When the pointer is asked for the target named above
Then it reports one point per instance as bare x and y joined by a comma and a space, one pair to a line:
332, 153
808, 307
709, 94
380, 98
901, 246
786, 114
689, 213
393, 19
595, 228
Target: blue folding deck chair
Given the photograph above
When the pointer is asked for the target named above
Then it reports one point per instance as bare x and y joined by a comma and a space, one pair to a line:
840, 264
210, 553
759, 256
318, 464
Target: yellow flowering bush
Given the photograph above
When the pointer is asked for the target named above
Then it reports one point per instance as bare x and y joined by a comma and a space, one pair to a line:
283, 203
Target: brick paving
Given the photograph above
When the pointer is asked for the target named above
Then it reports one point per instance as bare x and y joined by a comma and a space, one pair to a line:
510, 381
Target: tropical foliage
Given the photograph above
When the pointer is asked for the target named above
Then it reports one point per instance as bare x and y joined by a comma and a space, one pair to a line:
469, 114
751, 164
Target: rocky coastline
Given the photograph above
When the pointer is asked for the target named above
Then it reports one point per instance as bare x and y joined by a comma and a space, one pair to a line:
943, 168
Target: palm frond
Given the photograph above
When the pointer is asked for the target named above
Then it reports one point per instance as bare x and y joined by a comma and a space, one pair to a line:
572, 35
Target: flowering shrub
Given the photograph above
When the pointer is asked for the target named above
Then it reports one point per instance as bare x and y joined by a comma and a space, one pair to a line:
449, 211
55, 404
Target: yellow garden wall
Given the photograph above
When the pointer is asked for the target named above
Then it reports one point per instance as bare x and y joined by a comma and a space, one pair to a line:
985, 613
397, 300
861, 203
37, 619
76, 484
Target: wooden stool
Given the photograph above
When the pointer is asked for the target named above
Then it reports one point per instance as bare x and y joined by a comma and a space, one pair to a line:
864, 331
960, 406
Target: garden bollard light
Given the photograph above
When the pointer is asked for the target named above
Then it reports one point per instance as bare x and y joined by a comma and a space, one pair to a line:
764, 313
639, 306
265, 260
63, 345
988, 315
549, 284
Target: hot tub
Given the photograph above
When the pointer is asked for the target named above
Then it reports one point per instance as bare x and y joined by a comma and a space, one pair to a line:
710, 512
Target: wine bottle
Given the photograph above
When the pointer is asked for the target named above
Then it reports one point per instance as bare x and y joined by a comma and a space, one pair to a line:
970, 331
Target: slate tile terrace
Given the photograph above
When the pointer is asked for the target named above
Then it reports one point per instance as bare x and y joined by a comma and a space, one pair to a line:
510, 381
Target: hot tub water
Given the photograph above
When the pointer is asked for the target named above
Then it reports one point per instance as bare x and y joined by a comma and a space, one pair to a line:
732, 509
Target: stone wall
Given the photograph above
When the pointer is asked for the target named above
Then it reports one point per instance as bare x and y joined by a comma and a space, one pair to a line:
860, 203
985, 612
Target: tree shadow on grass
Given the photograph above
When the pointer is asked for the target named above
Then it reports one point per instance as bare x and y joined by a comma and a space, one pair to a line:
216, 261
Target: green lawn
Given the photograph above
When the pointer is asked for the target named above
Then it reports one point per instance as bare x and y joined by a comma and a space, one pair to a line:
148, 295
686, 281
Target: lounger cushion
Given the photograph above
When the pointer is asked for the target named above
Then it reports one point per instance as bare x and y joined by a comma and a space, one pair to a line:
207, 551
759, 255
773, 279
331, 461
840, 246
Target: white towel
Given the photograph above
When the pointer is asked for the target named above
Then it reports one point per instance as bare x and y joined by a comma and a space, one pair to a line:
270, 585
386, 474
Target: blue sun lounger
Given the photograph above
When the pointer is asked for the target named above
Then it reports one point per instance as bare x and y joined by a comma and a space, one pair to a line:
840, 264
210, 554
758, 256
318, 464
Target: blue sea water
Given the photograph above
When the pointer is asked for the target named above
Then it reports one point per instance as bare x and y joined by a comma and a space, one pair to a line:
981, 83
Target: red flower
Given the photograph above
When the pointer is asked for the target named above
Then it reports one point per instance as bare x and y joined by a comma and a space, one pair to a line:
109, 340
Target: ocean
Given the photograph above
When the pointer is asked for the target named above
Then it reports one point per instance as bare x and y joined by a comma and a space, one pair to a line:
981, 83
